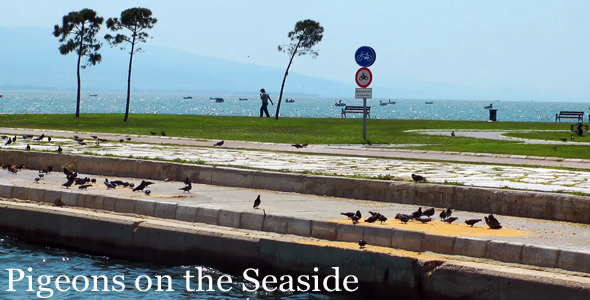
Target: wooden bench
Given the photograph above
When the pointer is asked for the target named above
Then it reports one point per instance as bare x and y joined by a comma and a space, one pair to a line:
579, 115
355, 110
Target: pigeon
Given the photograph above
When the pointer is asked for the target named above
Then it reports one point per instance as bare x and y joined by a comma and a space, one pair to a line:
298, 146
187, 181
417, 213
355, 219
163, 133
220, 143
257, 202
84, 186
8, 142
94, 137
109, 185
68, 184
349, 214
142, 185
450, 220
418, 178
443, 215
403, 218
147, 192
186, 188
49, 139
28, 147
59, 149
121, 140
358, 214
563, 139
492, 222
424, 219
58, 203
42, 136
362, 243
428, 212
152, 132
448, 212
472, 221
372, 219
37, 179
304, 145
128, 138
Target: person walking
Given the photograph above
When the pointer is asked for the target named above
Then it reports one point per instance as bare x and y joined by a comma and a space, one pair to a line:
265, 98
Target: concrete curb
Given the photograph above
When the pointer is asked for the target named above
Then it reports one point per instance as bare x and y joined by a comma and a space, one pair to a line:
374, 235
538, 205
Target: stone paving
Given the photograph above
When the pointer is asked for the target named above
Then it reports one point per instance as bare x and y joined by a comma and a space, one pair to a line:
370, 162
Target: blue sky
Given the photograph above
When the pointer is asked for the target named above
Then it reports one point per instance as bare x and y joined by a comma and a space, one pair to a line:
471, 48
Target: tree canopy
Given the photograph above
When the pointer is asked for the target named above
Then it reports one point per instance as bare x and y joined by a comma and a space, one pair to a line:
137, 20
305, 35
78, 32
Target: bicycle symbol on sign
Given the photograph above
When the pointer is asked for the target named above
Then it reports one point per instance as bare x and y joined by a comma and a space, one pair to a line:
364, 56
363, 77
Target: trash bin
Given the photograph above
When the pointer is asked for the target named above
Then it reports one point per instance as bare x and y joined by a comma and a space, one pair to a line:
493, 115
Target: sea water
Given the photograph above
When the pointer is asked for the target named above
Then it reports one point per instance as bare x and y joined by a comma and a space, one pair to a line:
35, 261
14, 102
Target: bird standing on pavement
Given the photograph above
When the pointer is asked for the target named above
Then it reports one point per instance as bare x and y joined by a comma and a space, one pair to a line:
257, 202
418, 178
186, 188
362, 244
472, 222
142, 185
220, 143
492, 222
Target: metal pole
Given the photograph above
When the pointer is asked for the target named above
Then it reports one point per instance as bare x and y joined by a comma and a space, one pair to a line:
365, 119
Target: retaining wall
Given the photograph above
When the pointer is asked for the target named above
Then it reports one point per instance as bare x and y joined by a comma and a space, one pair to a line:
391, 276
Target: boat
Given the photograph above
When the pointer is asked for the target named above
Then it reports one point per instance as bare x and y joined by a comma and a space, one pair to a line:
188, 97
428, 102
290, 100
386, 103
93, 95
1, 96
340, 103
489, 106
243, 99
219, 100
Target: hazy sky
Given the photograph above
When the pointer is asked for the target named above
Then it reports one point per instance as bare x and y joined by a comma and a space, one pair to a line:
534, 47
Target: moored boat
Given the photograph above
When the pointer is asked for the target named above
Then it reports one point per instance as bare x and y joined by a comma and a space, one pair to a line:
340, 103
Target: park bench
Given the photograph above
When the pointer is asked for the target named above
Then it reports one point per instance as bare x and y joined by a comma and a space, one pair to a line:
355, 110
579, 115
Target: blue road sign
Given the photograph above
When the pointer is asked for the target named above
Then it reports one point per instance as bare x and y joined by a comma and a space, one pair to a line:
365, 56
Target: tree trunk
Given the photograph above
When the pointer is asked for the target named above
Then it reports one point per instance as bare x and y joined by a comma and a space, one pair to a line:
80, 54
129, 79
285, 78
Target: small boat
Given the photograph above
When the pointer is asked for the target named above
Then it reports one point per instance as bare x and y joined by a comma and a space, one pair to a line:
219, 100
290, 100
489, 106
386, 103
188, 97
428, 102
1, 96
93, 95
243, 99
340, 103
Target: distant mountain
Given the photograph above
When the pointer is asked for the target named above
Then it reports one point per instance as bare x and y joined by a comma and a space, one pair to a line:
30, 59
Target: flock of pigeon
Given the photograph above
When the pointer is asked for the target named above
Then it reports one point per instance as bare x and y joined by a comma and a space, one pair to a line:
422, 216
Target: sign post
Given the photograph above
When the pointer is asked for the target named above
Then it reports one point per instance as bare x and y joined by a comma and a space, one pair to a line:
364, 57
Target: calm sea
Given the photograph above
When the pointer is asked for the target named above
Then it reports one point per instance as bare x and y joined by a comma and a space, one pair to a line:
15, 254
313, 107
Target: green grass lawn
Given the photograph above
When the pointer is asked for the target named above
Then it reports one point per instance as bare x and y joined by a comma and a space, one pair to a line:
313, 131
